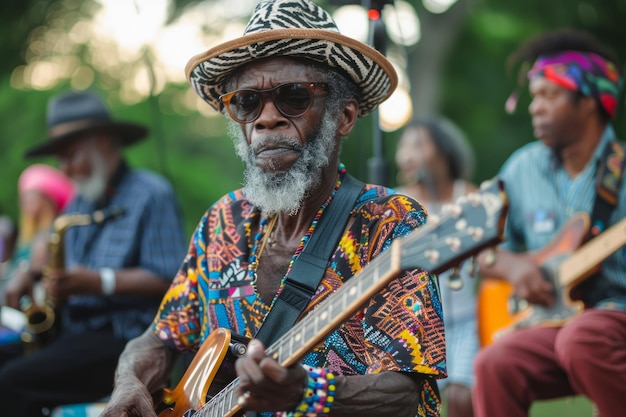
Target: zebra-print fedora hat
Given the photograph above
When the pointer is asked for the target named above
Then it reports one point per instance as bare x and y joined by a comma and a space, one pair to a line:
294, 28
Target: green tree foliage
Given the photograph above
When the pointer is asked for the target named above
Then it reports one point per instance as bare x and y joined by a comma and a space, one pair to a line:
477, 82
18, 19
193, 150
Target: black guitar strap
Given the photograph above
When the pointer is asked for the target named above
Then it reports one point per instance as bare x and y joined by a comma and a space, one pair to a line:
609, 180
308, 269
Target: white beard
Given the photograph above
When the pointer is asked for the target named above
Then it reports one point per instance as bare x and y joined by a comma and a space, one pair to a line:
93, 187
285, 191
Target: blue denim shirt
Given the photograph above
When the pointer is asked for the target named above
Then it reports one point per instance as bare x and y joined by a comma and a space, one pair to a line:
149, 235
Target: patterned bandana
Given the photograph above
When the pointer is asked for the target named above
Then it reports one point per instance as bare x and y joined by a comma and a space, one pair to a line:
586, 72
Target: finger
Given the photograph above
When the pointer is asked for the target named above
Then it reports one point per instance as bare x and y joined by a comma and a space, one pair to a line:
522, 292
247, 366
249, 373
255, 350
243, 399
273, 370
50, 288
543, 292
547, 297
13, 301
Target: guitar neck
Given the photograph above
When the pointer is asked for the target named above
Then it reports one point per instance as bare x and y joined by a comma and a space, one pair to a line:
306, 334
475, 223
588, 256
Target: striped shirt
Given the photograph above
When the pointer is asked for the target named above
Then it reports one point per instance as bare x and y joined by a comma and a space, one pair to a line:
543, 197
149, 235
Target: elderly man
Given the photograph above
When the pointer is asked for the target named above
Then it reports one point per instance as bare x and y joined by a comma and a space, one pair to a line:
576, 165
292, 86
122, 241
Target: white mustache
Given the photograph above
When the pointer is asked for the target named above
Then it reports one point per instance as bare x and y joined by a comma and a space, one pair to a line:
274, 142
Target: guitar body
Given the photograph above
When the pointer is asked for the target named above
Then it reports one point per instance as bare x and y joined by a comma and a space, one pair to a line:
500, 312
494, 309
214, 360
475, 223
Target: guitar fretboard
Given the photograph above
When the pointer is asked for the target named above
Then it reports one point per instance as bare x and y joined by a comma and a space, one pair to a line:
591, 254
473, 225
306, 334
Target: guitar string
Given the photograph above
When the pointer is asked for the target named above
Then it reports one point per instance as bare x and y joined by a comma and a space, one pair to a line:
422, 246
313, 324
300, 326
223, 398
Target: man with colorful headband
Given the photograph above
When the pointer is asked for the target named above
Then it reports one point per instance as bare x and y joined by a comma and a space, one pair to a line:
576, 166
291, 88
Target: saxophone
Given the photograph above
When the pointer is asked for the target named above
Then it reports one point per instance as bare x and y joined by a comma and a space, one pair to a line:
41, 323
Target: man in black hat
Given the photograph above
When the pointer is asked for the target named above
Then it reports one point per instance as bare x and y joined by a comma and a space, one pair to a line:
292, 87
122, 240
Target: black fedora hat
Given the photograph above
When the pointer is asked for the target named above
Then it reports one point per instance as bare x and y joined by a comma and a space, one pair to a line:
72, 114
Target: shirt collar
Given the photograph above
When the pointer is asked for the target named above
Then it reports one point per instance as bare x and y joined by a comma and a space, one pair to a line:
553, 163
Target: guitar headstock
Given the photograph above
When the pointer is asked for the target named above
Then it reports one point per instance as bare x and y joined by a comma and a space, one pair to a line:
462, 229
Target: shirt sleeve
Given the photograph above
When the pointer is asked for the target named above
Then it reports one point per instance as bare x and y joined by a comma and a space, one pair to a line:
163, 240
510, 174
177, 322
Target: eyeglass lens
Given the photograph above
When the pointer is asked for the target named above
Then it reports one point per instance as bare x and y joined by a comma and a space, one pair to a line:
291, 99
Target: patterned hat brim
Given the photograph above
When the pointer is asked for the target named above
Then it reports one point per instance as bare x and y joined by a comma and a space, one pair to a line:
367, 67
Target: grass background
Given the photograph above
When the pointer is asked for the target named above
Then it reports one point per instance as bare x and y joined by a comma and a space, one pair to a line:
578, 406
570, 407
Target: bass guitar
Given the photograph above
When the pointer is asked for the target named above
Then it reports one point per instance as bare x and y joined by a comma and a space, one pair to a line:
565, 262
474, 222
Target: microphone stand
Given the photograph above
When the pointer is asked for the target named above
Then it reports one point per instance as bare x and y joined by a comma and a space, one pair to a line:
378, 40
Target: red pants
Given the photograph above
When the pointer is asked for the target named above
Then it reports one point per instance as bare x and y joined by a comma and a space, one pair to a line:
587, 356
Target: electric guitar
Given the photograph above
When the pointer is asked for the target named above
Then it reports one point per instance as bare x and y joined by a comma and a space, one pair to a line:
565, 263
474, 222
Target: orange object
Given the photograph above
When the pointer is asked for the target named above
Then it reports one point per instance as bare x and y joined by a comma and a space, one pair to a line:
493, 309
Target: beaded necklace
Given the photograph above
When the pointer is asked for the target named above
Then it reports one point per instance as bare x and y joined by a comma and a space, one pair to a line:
261, 237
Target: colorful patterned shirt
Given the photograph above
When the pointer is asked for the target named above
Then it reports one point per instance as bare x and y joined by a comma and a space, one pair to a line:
400, 329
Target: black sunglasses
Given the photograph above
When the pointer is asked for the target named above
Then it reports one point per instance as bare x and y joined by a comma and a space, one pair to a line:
291, 100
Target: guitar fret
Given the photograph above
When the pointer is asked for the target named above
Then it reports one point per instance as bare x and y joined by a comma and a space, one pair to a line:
301, 335
592, 253
228, 404
348, 298
405, 253
313, 325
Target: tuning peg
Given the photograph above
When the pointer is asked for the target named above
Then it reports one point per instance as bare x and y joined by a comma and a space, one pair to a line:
472, 269
455, 282
490, 257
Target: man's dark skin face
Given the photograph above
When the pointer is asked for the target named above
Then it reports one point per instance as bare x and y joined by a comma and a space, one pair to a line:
277, 143
555, 113
275, 155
